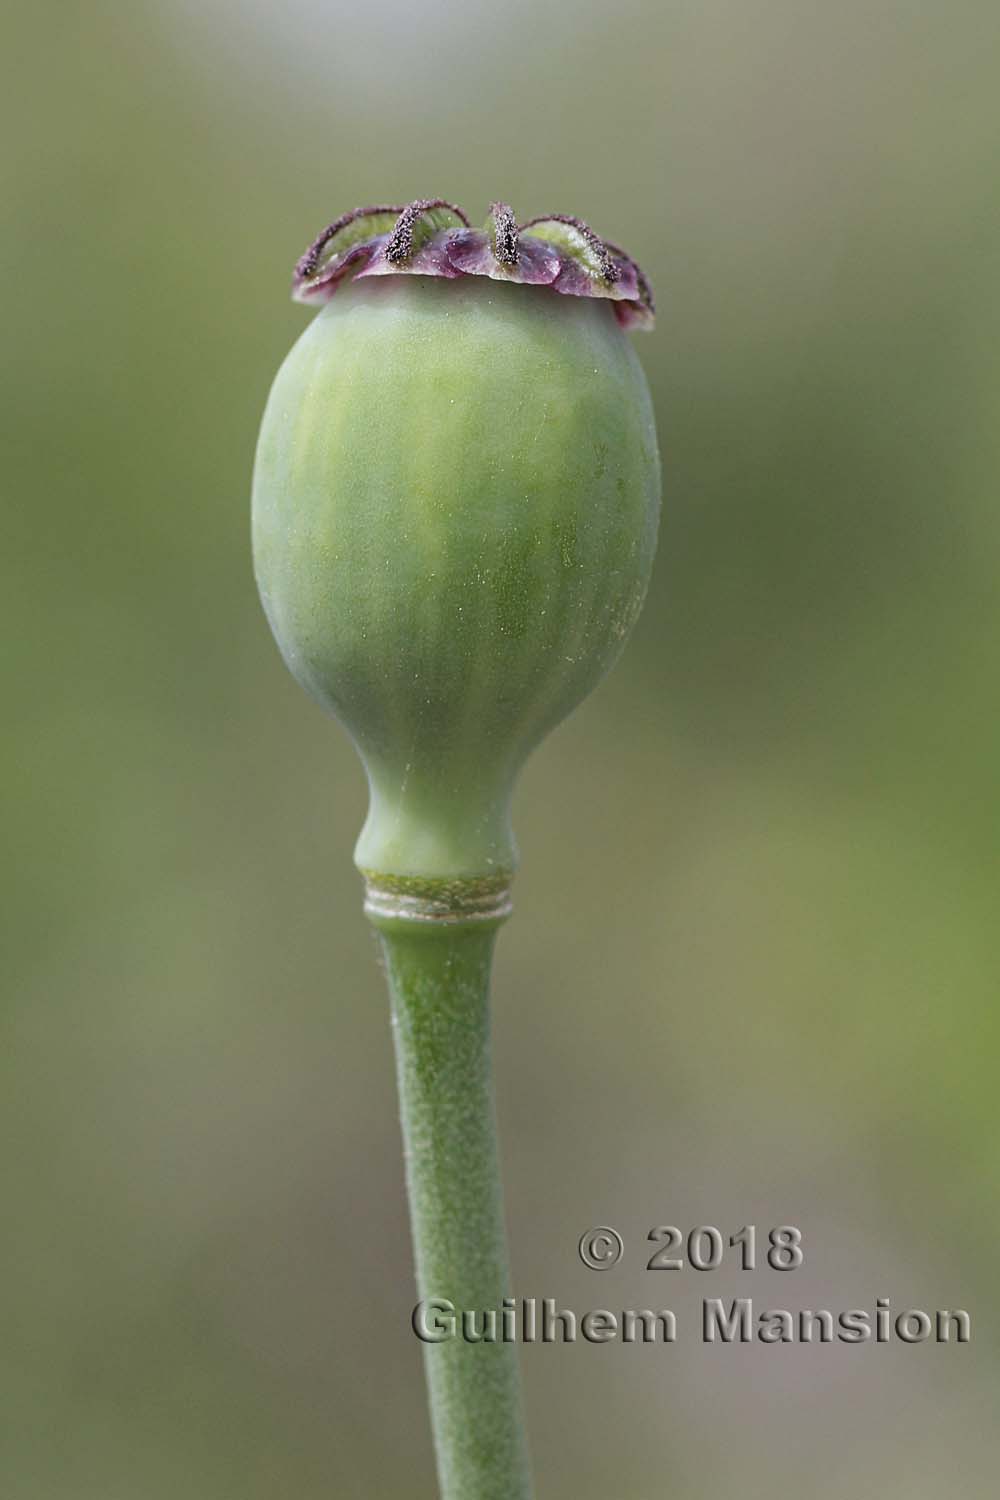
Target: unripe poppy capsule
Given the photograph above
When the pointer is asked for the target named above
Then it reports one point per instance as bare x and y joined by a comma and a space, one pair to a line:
455, 506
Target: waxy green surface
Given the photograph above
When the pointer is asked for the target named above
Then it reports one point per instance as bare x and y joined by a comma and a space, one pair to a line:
456, 498
439, 984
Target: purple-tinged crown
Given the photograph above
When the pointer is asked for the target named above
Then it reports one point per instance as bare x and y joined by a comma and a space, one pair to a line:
430, 237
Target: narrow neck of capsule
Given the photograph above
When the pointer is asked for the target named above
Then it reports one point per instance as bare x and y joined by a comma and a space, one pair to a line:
438, 829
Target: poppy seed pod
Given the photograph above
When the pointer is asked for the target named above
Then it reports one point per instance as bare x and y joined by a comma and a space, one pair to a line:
455, 508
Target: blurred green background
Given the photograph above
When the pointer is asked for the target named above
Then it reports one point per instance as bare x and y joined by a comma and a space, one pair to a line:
754, 968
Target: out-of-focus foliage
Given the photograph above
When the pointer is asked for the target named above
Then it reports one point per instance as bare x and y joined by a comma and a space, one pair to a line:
754, 969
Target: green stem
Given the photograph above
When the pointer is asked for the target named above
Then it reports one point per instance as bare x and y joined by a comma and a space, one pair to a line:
439, 975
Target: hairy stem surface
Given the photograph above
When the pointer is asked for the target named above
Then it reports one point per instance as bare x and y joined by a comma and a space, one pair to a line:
439, 977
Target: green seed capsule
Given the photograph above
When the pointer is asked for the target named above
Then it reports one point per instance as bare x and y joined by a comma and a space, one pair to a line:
455, 509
